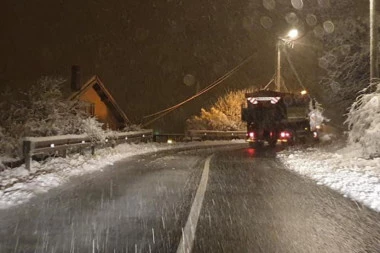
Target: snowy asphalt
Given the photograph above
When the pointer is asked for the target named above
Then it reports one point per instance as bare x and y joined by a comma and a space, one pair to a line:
141, 204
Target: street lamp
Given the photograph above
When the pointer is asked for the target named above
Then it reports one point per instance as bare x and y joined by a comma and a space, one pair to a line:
374, 70
292, 35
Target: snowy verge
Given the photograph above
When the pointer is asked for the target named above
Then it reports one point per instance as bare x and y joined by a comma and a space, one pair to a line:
343, 171
18, 185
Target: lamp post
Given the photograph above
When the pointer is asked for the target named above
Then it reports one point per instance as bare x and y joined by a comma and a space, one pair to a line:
278, 71
291, 36
374, 70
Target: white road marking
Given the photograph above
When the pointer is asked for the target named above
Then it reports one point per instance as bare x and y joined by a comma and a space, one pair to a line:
188, 233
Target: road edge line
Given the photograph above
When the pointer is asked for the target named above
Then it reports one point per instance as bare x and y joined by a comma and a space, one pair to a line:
188, 232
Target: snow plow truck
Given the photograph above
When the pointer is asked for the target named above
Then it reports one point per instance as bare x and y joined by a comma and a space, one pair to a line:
273, 117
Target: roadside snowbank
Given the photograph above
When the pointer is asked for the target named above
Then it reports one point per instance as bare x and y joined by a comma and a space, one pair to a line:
343, 171
18, 185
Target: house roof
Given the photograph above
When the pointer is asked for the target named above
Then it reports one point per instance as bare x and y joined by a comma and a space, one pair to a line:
97, 84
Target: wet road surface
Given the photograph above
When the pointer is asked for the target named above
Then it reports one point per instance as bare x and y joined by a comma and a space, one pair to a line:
142, 204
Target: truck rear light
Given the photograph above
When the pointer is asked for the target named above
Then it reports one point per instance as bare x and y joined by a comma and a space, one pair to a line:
284, 134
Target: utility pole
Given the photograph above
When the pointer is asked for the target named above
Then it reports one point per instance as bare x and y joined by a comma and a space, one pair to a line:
283, 41
278, 72
374, 68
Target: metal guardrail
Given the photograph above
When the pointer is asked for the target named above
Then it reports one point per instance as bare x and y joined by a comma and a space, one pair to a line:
192, 135
33, 146
215, 135
47, 145
165, 137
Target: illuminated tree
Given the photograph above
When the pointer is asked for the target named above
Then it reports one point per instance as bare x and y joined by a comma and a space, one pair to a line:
224, 115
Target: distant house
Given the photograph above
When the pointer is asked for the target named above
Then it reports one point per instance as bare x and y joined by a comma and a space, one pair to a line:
98, 100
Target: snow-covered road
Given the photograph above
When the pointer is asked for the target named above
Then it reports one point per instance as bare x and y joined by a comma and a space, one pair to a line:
342, 170
18, 185
221, 199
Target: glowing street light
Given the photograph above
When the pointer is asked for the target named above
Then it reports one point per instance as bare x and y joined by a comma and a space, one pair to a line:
304, 92
292, 35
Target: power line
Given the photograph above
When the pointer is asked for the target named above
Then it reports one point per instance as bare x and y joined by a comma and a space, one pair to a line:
162, 113
212, 85
294, 69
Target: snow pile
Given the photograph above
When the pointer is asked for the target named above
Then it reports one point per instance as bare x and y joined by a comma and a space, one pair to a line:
316, 115
343, 171
18, 185
326, 137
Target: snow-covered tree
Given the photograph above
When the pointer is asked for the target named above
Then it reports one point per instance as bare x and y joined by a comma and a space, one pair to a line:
364, 122
41, 111
224, 115
50, 113
346, 64
345, 61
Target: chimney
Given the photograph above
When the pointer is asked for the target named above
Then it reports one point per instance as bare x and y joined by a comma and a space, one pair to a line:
75, 78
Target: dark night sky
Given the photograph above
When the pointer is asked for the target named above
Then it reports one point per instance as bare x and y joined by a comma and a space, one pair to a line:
143, 49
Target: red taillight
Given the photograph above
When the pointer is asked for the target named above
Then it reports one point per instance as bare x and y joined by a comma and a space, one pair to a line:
252, 135
284, 134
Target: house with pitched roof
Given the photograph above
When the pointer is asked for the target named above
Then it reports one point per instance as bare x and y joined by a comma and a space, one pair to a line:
98, 100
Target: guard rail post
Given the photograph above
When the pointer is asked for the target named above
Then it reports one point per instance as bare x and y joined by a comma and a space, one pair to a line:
27, 151
64, 153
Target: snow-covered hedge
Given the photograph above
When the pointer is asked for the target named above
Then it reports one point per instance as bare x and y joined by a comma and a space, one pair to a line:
93, 129
364, 123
